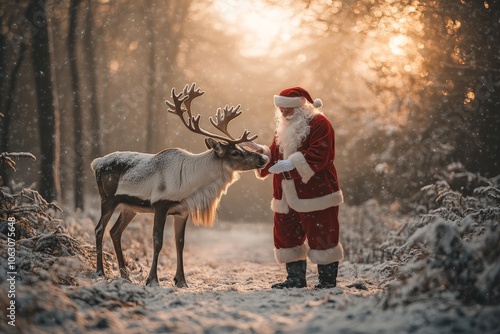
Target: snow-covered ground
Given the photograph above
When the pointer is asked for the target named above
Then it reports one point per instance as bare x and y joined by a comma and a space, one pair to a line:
229, 270
434, 269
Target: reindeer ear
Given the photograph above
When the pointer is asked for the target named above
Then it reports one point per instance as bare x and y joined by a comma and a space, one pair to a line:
215, 145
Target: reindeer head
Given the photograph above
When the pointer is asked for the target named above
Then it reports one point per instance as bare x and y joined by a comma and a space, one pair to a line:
233, 156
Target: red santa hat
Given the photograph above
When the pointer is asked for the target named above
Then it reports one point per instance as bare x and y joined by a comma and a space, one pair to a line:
295, 97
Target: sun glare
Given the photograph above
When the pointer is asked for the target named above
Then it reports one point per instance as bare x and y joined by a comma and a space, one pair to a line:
390, 47
397, 44
263, 28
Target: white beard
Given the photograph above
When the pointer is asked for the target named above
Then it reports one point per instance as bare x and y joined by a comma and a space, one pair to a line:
291, 132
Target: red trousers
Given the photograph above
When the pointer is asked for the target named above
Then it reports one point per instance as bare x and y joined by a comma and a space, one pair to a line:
320, 228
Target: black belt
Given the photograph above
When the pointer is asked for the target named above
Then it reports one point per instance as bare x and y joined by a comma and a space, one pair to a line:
287, 175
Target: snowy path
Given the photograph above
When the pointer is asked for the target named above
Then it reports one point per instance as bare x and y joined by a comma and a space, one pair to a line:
229, 270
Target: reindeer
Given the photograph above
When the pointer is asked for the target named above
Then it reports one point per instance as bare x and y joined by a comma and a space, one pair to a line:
172, 182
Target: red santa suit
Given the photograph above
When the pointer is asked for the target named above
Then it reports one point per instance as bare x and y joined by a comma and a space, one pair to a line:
306, 198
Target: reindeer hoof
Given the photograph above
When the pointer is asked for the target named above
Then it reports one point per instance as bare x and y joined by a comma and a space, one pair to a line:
153, 283
180, 281
182, 284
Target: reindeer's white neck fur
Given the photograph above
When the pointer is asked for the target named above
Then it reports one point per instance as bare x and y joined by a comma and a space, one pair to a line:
203, 203
196, 180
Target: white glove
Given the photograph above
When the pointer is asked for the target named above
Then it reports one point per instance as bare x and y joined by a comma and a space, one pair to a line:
281, 166
253, 146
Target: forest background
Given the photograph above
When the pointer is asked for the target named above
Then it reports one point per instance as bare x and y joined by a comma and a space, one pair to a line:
411, 87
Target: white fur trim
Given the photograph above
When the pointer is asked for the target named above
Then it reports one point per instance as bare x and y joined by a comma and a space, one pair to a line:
326, 256
289, 102
318, 103
285, 255
299, 161
279, 206
309, 204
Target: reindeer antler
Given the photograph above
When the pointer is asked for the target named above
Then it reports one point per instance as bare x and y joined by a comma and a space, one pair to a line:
191, 93
176, 107
222, 117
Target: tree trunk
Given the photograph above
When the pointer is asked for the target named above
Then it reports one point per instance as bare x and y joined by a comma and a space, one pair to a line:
150, 109
57, 118
78, 176
10, 92
42, 72
95, 120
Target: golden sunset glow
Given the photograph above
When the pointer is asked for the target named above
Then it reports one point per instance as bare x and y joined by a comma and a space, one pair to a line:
263, 28
397, 44
390, 46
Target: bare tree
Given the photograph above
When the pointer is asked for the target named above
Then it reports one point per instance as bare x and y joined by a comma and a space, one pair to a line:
10, 91
57, 117
41, 60
150, 108
78, 176
91, 67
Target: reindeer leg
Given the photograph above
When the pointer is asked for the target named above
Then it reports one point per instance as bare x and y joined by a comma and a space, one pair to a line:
116, 232
180, 229
107, 209
161, 210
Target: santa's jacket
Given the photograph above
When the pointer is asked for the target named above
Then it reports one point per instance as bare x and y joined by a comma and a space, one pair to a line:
313, 183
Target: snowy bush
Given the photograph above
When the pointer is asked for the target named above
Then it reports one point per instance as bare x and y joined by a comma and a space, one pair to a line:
33, 215
455, 247
366, 229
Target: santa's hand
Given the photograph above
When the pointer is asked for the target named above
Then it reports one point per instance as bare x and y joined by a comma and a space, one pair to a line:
281, 166
253, 146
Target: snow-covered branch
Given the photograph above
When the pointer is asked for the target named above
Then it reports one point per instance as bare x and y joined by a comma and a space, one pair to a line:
8, 158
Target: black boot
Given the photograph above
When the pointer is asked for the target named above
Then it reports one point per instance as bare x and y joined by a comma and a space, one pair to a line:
327, 275
296, 276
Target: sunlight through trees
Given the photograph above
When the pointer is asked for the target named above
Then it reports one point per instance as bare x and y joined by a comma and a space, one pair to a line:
409, 85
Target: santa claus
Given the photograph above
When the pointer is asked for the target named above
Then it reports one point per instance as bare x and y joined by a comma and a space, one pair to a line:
306, 191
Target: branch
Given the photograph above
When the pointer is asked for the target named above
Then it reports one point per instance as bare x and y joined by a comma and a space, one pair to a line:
7, 158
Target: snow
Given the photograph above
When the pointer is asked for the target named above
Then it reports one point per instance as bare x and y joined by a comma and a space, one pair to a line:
229, 270
437, 273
